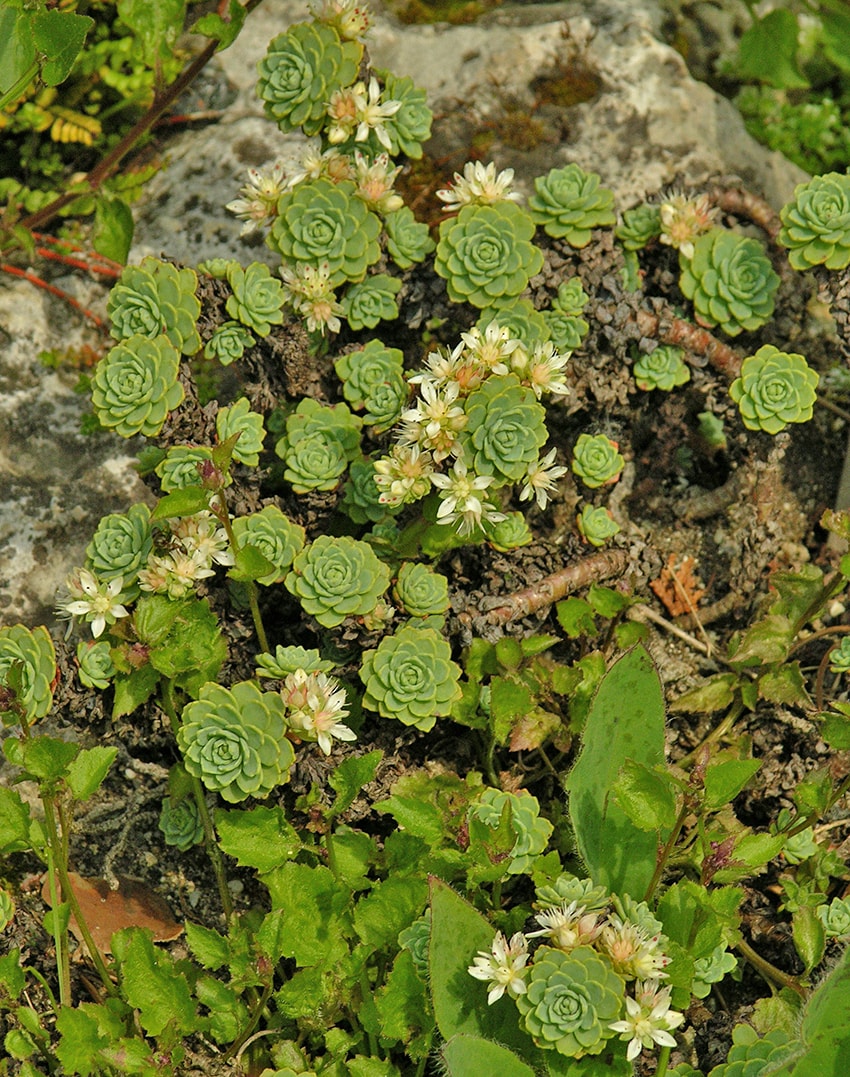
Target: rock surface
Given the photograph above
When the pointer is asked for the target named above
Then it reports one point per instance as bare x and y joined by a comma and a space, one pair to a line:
641, 122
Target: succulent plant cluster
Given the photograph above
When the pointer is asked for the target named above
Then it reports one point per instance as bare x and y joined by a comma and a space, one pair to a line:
27, 672
335, 578
532, 832
569, 203
816, 225
775, 388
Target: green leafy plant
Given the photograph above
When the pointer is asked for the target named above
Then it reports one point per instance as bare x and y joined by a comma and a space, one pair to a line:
408, 240
775, 388
96, 668
257, 300
569, 203
234, 740
639, 226
597, 525
504, 430
337, 578
420, 591
485, 253
155, 298
318, 445
238, 418
730, 281
532, 832
410, 677
371, 301
816, 225
135, 386
228, 343
121, 544
180, 823
276, 537
596, 460
662, 368
27, 669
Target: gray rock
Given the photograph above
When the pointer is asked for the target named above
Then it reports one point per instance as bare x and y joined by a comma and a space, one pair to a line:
646, 124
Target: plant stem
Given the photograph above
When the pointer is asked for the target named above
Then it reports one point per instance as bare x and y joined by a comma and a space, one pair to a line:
663, 1059
773, 975
664, 855
112, 160
719, 731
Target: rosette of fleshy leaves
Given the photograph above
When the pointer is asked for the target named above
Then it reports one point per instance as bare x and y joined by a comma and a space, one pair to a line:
234, 740
181, 467
95, 667
135, 386
510, 533
774, 389
365, 371
571, 1000
361, 498
321, 222
662, 368
711, 969
420, 591
7, 909
416, 939
121, 544
532, 832
596, 460
569, 203
839, 656
257, 299
816, 225
371, 301
596, 525
564, 322
506, 426
569, 889
300, 71
729, 280
335, 578
153, 299
753, 1053
520, 318
180, 823
410, 124
639, 226
27, 672
485, 253
319, 443
408, 240
286, 660
228, 343
835, 918
238, 417
411, 677
277, 538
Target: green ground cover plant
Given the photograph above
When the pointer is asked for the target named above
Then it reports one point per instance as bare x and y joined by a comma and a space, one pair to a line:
293, 598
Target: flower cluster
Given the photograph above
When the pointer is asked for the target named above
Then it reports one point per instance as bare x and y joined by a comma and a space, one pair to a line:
598, 974
684, 219
315, 706
479, 414
479, 185
258, 205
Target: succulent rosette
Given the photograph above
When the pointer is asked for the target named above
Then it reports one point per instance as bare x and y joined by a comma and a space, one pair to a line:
316, 461
596, 460
228, 343
421, 591
322, 222
816, 225
180, 467
572, 999
371, 301
286, 660
410, 125
569, 203
365, 368
505, 429
121, 544
408, 240
385, 403
239, 418
510, 533
485, 253
335, 578
7, 909
835, 918
522, 321
410, 676
181, 824
257, 299
156, 298
234, 740
532, 832
416, 939
96, 668
775, 388
640, 225
662, 368
730, 281
300, 71
596, 525
28, 666
276, 537
135, 386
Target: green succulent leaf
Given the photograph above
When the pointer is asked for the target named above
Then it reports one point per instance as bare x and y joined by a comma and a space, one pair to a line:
28, 670
420, 590
153, 299
816, 225
410, 126
639, 227
532, 832
730, 281
596, 460
408, 240
569, 203
257, 299
135, 386
228, 343
485, 253
335, 578
181, 824
775, 388
249, 424
411, 677
371, 301
597, 525
276, 537
505, 429
121, 544
96, 668
662, 368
